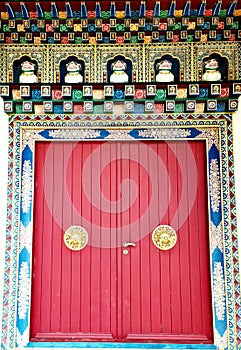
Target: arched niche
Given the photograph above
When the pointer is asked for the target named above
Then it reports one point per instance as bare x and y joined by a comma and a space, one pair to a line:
63, 68
17, 70
175, 69
128, 63
222, 65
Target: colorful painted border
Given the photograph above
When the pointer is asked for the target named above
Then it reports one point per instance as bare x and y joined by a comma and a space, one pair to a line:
24, 130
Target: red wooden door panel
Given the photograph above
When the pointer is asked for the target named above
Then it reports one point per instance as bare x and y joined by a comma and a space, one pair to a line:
119, 192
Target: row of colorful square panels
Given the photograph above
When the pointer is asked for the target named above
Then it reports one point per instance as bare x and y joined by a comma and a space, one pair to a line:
125, 25
149, 106
110, 92
52, 38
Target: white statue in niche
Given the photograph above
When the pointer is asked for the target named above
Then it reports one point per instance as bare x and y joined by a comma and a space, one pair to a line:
164, 74
73, 73
27, 75
211, 71
119, 74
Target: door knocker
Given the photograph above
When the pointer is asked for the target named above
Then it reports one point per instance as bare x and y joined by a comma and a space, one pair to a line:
75, 238
164, 237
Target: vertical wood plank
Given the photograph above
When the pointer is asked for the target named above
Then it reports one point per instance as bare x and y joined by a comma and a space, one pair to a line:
125, 220
106, 302
46, 253
73, 183
175, 176
57, 237
135, 273
145, 196
155, 267
86, 255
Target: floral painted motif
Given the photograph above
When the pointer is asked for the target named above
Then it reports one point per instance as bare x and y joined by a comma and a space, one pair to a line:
119, 135
216, 237
23, 290
219, 291
29, 138
23, 339
165, 133
74, 134
221, 342
25, 237
212, 136
215, 185
26, 186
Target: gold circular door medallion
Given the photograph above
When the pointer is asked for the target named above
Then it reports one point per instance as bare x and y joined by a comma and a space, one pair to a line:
164, 237
75, 238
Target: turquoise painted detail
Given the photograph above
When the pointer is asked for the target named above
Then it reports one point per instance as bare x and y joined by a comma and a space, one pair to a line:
101, 345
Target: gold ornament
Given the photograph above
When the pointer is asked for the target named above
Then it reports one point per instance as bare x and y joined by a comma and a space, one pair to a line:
75, 238
164, 237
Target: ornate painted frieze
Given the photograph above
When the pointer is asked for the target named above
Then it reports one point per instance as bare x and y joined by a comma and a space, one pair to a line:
26, 193
210, 63
215, 185
228, 54
74, 134
179, 54
61, 55
14, 55
118, 23
132, 54
164, 133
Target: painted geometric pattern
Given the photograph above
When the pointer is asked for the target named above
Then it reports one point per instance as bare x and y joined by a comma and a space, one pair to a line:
222, 217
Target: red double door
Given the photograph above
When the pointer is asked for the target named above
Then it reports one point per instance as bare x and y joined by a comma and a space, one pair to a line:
119, 192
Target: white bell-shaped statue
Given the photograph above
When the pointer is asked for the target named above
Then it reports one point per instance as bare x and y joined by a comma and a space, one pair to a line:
27, 75
164, 74
211, 71
119, 74
73, 73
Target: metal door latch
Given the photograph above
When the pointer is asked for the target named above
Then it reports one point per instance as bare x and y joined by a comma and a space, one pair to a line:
128, 244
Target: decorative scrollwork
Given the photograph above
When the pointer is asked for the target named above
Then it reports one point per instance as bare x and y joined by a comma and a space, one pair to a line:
74, 134
215, 193
164, 133
25, 237
26, 186
216, 237
119, 135
212, 136
219, 290
29, 138
23, 290
221, 341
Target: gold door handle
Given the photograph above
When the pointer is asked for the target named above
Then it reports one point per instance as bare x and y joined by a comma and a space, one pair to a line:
129, 244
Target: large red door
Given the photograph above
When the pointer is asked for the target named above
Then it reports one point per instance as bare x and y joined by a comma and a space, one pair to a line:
119, 192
